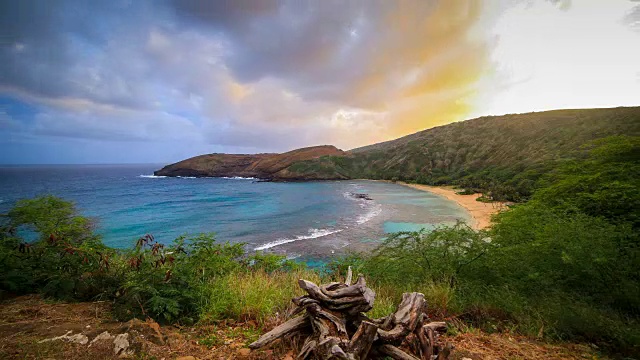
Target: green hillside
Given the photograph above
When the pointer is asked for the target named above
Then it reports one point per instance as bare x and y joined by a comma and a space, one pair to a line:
502, 155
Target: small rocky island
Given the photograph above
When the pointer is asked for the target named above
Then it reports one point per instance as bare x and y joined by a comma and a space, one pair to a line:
296, 165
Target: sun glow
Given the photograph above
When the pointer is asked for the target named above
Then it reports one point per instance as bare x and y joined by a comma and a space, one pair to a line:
549, 58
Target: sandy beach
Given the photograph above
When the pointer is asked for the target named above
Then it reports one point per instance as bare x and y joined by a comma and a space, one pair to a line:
480, 212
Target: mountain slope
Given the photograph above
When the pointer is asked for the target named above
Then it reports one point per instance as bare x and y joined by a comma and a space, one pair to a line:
264, 166
503, 155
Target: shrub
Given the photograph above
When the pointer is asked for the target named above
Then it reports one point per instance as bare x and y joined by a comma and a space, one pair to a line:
66, 260
167, 282
427, 256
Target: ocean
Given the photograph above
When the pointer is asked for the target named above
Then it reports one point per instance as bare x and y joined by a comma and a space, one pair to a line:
298, 219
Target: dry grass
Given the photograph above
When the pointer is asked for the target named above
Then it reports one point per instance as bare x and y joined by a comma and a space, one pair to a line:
26, 320
477, 345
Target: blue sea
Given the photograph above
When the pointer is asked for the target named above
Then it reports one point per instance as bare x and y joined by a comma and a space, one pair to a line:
299, 219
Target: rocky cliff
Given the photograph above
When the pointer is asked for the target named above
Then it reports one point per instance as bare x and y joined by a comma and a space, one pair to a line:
263, 166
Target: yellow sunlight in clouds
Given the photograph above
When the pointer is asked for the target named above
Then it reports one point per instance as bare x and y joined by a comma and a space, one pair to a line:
436, 65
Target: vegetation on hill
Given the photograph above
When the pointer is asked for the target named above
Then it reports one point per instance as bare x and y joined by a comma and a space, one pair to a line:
503, 156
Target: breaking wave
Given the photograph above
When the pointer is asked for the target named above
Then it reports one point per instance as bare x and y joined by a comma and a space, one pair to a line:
313, 234
373, 212
152, 176
162, 177
238, 178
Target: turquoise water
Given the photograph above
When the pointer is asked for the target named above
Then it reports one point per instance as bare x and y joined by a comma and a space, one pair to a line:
298, 219
392, 227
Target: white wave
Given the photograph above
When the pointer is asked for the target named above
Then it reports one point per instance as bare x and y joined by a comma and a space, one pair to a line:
313, 234
186, 177
238, 178
151, 176
375, 211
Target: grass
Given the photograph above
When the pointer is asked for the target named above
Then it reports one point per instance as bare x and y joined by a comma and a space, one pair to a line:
265, 297
254, 295
388, 296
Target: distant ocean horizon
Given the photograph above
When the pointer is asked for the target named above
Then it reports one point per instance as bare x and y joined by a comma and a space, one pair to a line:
297, 219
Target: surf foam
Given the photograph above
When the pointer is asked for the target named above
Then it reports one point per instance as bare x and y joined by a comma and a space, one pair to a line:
151, 176
238, 178
373, 212
313, 234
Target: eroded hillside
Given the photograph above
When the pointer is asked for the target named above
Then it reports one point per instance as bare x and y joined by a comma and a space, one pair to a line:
263, 166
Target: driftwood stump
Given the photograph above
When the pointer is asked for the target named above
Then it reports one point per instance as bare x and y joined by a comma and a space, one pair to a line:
332, 322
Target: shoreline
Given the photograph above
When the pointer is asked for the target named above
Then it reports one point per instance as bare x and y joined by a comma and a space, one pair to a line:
480, 212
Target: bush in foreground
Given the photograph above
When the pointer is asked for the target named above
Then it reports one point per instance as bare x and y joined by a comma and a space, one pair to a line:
189, 279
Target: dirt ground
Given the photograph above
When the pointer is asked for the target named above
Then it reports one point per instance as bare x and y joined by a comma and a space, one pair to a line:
31, 328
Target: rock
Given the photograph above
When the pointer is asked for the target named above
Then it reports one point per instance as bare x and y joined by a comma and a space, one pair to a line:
244, 352
77, 338
360, 196
103, 336
121, 344
149, 330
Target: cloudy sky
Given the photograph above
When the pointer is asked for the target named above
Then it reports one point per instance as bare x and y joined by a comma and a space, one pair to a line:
125, 81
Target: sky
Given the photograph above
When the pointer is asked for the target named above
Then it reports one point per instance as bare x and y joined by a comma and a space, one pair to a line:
125, 81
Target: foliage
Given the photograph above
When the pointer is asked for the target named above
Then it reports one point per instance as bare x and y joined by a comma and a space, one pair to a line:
270, 262
605, 184
166, 282
52, 219
542, 248
66, 260
431, 256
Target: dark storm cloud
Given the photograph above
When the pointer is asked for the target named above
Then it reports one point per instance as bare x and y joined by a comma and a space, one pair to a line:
320, 48
46, 45
267, 74
103, 70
